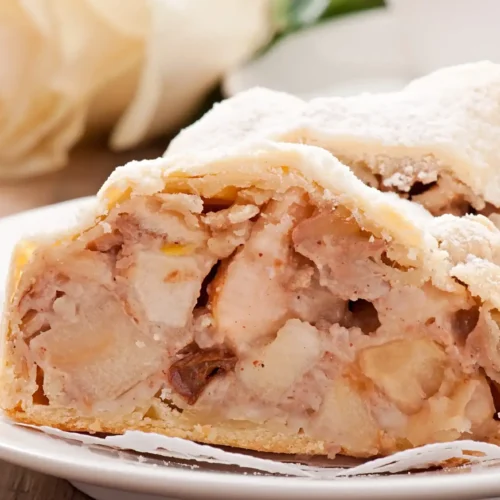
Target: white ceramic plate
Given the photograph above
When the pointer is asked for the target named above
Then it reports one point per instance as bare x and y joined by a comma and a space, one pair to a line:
107, 475
347, 55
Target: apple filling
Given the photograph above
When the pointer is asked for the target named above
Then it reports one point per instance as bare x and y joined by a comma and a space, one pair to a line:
276, 310
423, 181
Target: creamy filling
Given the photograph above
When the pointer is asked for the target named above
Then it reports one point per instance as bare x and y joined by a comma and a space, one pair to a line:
273, 311
423, 181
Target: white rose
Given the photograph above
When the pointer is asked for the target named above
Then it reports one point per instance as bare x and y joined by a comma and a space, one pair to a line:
140, 67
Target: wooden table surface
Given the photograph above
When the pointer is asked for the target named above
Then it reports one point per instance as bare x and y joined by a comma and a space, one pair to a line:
89, 166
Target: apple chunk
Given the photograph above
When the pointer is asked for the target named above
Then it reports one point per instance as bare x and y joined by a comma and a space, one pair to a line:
272, 370
408, 371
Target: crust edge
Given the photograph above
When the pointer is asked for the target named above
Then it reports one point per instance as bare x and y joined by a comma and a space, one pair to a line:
247, 436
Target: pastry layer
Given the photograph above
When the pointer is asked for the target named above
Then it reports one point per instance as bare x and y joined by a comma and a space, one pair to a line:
435, 142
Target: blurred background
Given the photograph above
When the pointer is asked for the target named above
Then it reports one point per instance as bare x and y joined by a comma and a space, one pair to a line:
87, 85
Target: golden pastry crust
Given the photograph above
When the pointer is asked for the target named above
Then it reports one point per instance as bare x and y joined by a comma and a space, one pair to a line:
440, 128
245, 435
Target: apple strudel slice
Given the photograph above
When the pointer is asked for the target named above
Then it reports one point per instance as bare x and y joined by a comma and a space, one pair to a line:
259, 296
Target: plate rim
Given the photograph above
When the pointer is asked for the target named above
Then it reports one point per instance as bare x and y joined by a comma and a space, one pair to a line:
132, 477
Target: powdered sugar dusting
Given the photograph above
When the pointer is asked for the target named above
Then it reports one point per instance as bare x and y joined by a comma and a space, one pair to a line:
448, 121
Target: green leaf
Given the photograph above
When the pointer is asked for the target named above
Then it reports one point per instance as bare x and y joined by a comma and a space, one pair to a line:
293, 15
290, 15
338, 7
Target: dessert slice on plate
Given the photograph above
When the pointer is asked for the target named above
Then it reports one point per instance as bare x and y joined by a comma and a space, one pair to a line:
258, 296
435, 142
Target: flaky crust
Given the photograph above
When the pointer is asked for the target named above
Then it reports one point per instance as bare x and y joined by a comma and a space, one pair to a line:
450, 118
245, 435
